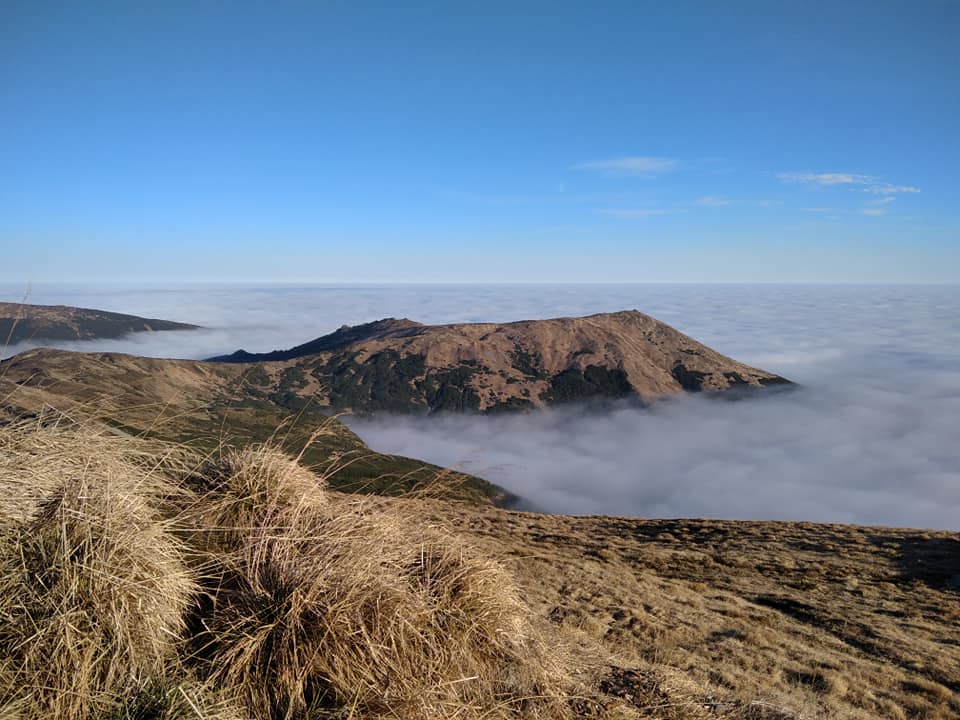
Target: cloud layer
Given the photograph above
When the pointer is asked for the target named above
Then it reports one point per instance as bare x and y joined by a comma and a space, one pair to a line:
871, 437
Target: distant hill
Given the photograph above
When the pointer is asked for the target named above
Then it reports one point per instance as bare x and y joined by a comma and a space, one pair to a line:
402, 366
20, 322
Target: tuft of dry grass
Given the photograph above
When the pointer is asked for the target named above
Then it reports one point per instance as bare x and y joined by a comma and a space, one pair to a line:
316, 605
134, 581
93, 586
177, 699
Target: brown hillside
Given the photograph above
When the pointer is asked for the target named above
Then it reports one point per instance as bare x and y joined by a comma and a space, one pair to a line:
20, 322
207, 405
814, 620
400, 365
140, 582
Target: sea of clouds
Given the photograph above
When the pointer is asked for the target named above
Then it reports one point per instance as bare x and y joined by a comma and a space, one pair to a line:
871, 437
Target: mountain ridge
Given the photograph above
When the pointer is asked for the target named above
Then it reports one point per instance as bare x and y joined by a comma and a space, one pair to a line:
20, 322
342, 336
402, 365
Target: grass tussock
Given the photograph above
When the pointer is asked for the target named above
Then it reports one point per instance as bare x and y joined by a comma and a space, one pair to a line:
131, 586
93, 586
316, 605
165, 699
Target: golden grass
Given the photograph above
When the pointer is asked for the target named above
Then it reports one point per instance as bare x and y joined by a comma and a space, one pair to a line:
317, 605
124, 576
138, 582
93, 586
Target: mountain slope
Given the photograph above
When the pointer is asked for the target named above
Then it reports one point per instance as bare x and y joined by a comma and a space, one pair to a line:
141, 581
20, 322
209, 406
400, 365
811, 620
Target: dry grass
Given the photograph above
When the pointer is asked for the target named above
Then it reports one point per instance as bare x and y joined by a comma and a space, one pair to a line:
316, 606
762, 619
93, 586
122, 577
140, 583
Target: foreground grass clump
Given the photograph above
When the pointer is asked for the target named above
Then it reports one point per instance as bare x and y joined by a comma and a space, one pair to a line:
93, 585
315, 605
132, 582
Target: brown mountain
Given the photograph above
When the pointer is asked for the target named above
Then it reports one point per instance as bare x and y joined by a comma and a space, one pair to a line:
20, 322
401, 365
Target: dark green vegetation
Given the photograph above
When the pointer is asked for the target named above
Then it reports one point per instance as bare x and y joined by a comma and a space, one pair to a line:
340, 456
14, 331
383, 382
690, 380
530, 364
448, 390
693, 380
390, 382
592, 383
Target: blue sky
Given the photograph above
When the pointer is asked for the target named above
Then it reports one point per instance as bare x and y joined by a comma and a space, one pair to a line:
467, 141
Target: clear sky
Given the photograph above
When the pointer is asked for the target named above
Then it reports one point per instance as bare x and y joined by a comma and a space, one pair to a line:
480, 141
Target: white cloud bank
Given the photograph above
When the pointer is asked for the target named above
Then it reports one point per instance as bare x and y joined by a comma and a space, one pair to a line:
872, 437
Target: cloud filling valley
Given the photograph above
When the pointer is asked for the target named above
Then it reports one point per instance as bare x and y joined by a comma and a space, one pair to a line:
872, 436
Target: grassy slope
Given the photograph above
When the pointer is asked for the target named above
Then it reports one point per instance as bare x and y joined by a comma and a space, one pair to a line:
830, 621
209, 406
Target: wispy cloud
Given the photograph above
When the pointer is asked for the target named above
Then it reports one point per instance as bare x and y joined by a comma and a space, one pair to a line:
825, 179
634, 165
888, 189
866, 183
817, 210
713, 201
879, 205
631, 213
